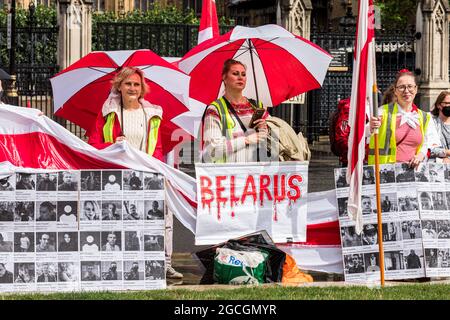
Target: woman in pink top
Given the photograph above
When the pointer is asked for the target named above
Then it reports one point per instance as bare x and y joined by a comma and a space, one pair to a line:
412, 134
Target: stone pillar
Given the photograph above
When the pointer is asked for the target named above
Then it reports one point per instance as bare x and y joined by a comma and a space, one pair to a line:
295, 16
432, 50
75, 30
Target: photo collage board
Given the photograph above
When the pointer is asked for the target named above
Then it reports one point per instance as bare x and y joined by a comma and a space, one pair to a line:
415, 205
82, 230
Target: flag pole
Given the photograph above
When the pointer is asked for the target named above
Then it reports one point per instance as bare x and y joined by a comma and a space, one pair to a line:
377, 187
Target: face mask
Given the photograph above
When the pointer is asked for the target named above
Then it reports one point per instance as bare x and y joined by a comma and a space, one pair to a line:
446, 111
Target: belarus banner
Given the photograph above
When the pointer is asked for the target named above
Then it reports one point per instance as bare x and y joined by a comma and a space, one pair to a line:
240, 198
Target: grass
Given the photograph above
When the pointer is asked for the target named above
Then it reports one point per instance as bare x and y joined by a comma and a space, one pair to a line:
398, 292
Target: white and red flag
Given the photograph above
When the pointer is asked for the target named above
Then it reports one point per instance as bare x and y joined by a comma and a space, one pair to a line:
361, 105
209, 25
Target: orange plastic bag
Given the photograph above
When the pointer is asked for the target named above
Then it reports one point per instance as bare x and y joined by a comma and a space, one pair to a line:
292, 274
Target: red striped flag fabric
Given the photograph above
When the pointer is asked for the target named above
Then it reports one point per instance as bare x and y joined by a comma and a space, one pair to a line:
360, 105
209, 25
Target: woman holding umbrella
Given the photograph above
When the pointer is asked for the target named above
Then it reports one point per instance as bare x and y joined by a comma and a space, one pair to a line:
126, 115
229, 134
406, 132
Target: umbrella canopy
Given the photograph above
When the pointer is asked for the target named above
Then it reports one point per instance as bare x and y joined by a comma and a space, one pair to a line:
80, 90
280, 65
4, 75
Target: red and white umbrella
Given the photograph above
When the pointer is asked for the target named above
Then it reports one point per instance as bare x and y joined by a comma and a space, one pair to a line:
280, 65
80, 90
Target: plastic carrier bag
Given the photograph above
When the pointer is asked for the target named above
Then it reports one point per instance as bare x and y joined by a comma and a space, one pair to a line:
240, 267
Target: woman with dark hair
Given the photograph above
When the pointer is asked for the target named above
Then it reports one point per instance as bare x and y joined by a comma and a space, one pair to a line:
126, 115
227, 133
441, 117
406, 133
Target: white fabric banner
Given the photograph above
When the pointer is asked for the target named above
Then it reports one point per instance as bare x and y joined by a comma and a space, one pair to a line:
240, 198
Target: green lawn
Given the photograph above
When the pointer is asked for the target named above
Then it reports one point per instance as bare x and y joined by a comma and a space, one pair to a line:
400, 292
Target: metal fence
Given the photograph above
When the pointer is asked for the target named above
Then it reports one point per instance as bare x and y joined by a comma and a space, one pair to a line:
394, 51
167, 40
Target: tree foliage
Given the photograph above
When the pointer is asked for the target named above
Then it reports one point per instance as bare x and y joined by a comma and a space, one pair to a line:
397, 14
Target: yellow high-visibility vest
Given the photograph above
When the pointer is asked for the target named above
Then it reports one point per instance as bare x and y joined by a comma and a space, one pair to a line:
386, 134
227, 123
152, 137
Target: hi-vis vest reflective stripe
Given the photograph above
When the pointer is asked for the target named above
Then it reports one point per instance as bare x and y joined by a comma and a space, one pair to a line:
227, 123
386, 135
152, 138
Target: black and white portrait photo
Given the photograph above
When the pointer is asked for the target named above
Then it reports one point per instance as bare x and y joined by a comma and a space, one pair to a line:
91, 210
6, 272
112, 181
389, 202
133, 270
153, 242
47, 181
153, 181
6, 241
90, 271
393, 260
24, 242
391, 231
46, 271
370, 234
91, 180
425, 201
387, 173
342, 207
133, 240
24, 272
25, 181
111, 210
368, 175
112, 270
368, 204
431, 258
407, 201
439, 201
68, 271
24, 211
46, 241
411, 229
429, 229
371, 261
422, 174
7, 209
447, 172
68, 181
443, 229
354, 263
436, 172
154, 209
133, 210
404, 173
350, 238
132, 180
111, 241
340, 177
46, 211
154, 270
8, 183
67, 241
413, 258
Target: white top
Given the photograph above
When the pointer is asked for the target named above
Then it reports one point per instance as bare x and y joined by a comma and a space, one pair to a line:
112, 187
135, 127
